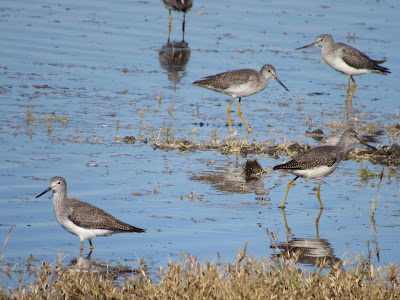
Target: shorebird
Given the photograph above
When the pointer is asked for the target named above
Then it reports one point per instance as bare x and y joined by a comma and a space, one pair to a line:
347, 60
177, 5
81, 218
319, 162
239, 83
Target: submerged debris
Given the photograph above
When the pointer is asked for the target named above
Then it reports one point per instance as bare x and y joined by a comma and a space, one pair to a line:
252, 170
317, 134
129, 140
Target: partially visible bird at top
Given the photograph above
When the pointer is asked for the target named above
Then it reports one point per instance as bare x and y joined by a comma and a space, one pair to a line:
177, 5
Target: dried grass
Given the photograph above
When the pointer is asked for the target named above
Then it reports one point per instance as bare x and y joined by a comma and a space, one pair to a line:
245, 278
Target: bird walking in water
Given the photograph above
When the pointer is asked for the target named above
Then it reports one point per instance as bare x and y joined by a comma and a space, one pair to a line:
347, 60
177, 5
239, 83
319, 162
81, 218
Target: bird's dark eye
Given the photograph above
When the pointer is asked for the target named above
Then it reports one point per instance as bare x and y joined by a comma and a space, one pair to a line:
59, 182
269, 71
321, 40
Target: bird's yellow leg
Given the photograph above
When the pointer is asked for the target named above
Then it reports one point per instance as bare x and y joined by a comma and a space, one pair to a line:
81, 246
318, 194
240, 115
348, 89
229, 116
287, 191
170, 25
354, 89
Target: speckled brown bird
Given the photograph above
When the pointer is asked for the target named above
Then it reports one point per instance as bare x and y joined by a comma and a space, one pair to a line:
319, 162
81, 218
239, 83
347, 60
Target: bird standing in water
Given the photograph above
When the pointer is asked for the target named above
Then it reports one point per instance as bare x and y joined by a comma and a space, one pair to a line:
347, 60
239, 83
319, 162
81, 218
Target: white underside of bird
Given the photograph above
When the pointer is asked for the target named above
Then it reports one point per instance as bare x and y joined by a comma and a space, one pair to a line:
339, 65
84, 233
314, 173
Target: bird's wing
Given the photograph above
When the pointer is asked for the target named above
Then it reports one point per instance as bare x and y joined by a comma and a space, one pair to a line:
223, 81
316, 157
89, 216
357, 59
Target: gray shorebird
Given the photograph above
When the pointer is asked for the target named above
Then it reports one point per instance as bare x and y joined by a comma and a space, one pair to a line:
347, 60
239, 83
180, 6
319, 162
81, 218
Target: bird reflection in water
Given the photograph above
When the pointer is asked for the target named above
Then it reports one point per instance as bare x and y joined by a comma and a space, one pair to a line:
308, 251
233, 177
84, 264
173, 57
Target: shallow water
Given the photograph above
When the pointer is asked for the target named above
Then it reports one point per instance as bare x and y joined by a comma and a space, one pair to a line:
99, 66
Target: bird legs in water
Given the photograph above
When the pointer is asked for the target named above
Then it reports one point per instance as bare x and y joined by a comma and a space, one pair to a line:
239, 113
170, 24
288, 188
348, 89
91, 246
287, 191
183, 26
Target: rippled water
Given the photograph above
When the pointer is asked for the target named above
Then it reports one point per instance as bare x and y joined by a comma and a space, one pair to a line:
101, 66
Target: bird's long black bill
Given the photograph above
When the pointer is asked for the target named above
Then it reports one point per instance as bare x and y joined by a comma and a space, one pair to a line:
49, 189
365, 144
306, 46
280, 82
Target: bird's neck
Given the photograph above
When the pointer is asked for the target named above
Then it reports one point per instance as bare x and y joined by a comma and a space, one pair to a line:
58, 199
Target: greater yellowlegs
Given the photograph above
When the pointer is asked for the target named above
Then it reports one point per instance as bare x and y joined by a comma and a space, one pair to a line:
239, 83
347, 60
81, 218
319, 162
177, 5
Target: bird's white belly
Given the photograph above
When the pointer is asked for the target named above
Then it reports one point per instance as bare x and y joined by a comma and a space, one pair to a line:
315, 173
339, 65
243, 90
83, 233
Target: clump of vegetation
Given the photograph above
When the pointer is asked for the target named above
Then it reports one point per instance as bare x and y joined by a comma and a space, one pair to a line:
48, 118
245, 278
366, 174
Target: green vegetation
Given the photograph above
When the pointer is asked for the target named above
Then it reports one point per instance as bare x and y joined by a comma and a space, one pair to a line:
48, 118
366, 174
